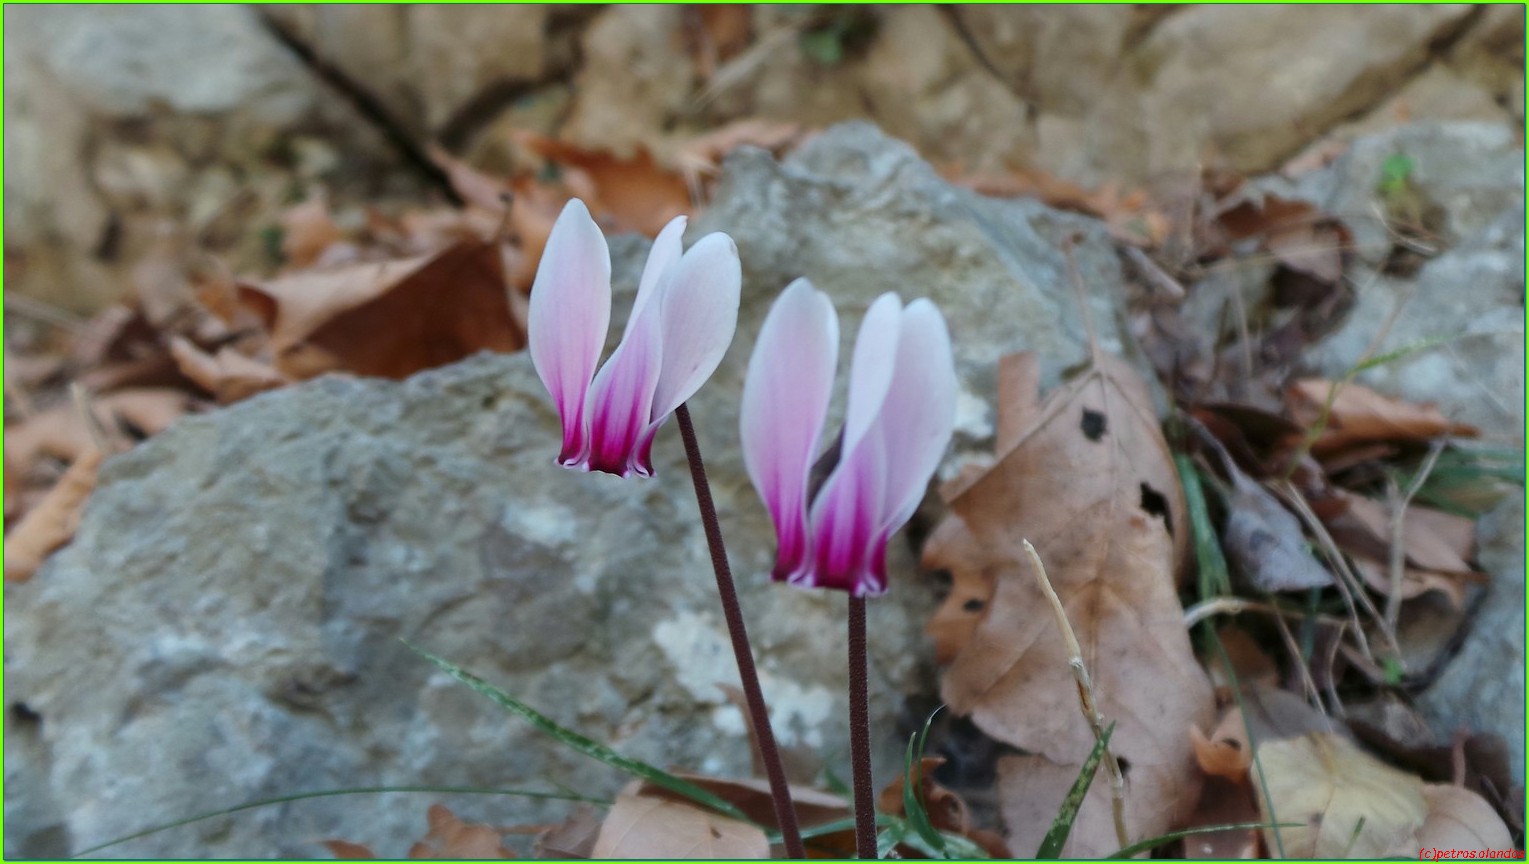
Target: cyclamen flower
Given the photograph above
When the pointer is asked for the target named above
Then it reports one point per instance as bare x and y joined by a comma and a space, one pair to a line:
682, 321
901, 412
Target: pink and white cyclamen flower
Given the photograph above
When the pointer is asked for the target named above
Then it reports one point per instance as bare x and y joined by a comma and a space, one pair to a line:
682, 321
897, 424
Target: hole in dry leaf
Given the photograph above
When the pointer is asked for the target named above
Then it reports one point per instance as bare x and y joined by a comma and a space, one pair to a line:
1093, 424
132, 430
1155, 503
1125, 766
21, 712
971, 756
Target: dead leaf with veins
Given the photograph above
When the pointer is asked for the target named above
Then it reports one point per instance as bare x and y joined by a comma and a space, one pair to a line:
228, 375
388, 319
1328, 784
1460, 819
450, 837
634, 193
574, 837
642, 826
1092, 484
1225, 752
1265, 541
1431, 539
752, 797
51, 523
1360, 416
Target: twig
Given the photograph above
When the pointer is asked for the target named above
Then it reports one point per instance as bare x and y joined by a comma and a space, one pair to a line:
1244, 339
1345, 579
1320, 425
1085, 695
860, 734
45, 312
1398, 542
92, 424
1310, 685
780, 792
1237, 605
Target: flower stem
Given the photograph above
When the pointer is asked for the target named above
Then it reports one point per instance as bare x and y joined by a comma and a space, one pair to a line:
780, 793
860, 733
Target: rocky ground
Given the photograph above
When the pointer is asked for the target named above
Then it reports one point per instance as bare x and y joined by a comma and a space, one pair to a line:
224, 624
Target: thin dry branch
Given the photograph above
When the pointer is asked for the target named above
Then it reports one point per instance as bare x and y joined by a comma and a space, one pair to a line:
1398, 541
1086, 698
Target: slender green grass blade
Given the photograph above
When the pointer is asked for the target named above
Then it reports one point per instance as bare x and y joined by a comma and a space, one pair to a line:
834, 827
890, 836
1354, 838
834, 783
1147, 845
913, 804
962, 849
587, 746
330, 793
1258, 765
1061, 827
1215, 578
1401, 353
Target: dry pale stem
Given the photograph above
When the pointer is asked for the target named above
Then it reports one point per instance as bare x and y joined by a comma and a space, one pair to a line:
1237, 605
1300, 664
1398, 538
104, 442
1086, 697
1345, 579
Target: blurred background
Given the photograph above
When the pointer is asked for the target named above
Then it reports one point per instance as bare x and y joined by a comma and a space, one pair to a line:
205, 203
130, 129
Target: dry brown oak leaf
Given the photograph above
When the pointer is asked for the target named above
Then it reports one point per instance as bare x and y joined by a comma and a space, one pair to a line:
388, 319
1091, 483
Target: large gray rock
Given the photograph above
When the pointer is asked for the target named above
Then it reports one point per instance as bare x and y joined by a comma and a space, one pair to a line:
1468, 304
120, 122
1470, 176
1224, 77
225, 625
860, 214
1128, 94
1482, 688
913, 75
430, 65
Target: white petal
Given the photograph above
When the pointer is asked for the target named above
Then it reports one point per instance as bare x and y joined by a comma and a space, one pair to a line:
785, 404
664, 253
699, 305
870, 371
918, 415
568, 316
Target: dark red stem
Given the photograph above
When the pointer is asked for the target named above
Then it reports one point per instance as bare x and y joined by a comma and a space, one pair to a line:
780, 794
860, 733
